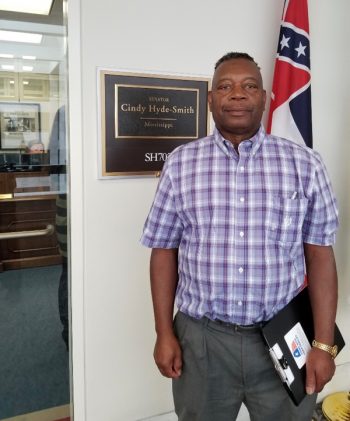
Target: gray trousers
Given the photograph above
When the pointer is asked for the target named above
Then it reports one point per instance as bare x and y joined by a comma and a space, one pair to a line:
224, 367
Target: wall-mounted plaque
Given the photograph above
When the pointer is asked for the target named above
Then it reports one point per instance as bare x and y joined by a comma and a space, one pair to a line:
145, 116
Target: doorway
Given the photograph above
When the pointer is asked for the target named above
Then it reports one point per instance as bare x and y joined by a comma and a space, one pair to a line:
34, 213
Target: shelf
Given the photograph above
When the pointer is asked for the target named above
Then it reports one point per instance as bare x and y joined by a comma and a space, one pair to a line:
28, 86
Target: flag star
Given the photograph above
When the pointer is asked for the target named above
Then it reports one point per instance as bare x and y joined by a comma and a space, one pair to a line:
301, 49
284, 42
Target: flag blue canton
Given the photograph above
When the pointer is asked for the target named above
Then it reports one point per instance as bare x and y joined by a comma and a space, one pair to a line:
294, 46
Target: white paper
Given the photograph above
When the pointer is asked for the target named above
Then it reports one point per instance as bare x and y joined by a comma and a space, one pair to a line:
298, 344
288, 374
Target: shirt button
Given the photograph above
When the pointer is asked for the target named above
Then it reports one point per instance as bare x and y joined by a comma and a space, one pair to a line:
241, 199
241, 234
240, 303
241, 168
240, 270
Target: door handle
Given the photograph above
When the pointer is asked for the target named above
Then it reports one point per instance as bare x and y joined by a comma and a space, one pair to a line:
23, 234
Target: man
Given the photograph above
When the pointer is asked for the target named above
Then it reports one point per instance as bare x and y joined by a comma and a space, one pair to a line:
235, 216
58, 158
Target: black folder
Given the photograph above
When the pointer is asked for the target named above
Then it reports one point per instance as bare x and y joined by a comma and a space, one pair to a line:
289, 336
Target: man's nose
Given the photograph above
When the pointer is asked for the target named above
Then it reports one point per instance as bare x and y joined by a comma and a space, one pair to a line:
237, 92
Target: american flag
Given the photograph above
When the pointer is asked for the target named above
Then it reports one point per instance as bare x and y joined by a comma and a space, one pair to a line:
290, 108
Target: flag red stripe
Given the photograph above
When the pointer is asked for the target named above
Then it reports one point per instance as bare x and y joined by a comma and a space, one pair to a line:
297, 14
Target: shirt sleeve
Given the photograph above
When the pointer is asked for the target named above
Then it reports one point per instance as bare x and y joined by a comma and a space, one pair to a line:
163, 228
321, 221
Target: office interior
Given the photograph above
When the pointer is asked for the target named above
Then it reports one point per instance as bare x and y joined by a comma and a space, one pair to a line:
50, 127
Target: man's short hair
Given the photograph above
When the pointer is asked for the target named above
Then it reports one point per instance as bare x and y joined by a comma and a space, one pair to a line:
234, 55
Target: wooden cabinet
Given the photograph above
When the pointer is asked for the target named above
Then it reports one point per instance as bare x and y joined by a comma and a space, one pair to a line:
10, 182
27, 213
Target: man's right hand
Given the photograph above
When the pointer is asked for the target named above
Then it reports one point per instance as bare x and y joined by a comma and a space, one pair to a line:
168, 356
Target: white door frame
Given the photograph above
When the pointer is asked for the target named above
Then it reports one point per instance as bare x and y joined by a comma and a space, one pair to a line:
77, 210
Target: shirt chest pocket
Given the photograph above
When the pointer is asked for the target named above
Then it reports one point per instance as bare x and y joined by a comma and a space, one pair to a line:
285, 220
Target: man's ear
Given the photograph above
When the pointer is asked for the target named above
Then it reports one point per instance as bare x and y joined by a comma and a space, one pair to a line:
210, 99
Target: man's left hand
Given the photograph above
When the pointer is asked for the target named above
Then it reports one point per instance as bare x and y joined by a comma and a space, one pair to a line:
320, 368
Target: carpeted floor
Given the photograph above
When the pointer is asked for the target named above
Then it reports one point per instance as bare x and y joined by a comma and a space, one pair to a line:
34, 363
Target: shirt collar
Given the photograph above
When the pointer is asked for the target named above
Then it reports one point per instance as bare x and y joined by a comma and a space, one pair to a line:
251, 145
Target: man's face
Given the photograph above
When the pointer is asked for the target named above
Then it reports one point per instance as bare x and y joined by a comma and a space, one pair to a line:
237, 99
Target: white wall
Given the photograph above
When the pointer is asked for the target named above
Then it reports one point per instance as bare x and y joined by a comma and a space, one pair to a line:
331, 111
116, 380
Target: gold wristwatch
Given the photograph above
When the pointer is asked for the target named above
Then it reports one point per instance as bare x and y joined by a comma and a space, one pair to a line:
332, 350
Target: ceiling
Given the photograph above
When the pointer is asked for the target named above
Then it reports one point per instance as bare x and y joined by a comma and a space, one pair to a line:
49, 53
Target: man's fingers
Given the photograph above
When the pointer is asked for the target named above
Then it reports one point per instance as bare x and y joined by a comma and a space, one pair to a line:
170, 370
167, 355
178, 365
319, 370
310, 384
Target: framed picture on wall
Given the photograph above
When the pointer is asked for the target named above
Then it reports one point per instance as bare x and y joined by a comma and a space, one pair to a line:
19, 125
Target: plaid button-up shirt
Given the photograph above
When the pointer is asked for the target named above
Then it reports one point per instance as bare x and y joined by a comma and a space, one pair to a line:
239, 221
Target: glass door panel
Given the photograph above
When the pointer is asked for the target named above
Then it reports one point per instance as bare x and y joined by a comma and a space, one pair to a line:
34, 215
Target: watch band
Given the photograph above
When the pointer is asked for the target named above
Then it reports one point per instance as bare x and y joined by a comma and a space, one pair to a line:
332, 350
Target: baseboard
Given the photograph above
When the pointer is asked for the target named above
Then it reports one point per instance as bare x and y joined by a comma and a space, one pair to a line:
168, 416
58, 413
171, 416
